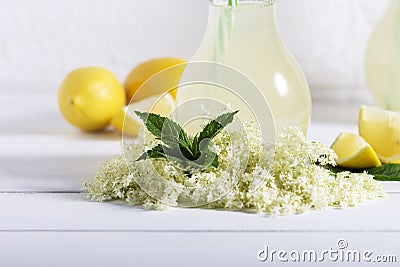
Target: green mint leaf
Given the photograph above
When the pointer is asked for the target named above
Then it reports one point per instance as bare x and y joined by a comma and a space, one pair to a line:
337, 169
388, 172
164, 152
179, 145
168, 131
208, 159
154, 123
195, 147
213, 128
155, 152
191, 154
162, 127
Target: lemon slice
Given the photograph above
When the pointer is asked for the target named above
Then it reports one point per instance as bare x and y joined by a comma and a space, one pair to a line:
126, 121
381, 129
354, 152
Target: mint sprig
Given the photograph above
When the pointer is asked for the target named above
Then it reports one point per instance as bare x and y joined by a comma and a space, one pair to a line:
193, 154
387, 172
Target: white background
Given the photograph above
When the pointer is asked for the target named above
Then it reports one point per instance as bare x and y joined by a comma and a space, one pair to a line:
42, 40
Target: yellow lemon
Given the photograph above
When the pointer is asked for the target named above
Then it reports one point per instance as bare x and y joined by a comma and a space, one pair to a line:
381, 128
89, 97
126, 121
354, 152
160, 84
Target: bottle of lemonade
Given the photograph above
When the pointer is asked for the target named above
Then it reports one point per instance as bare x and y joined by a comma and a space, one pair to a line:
243, 34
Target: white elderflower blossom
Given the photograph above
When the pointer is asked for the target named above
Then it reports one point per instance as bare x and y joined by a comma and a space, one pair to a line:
286, 178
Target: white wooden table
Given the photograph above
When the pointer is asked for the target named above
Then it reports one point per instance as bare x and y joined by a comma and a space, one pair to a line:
45, 219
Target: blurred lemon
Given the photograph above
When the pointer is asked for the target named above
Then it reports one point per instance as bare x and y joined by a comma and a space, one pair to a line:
89, 97
354, 152
126, 121
160, 84
381, 128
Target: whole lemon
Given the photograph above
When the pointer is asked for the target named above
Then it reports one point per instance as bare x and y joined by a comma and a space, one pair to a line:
89, 97
160, 84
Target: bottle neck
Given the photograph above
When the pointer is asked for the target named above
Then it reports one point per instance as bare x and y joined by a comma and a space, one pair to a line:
233, 3
232, 28
247, 16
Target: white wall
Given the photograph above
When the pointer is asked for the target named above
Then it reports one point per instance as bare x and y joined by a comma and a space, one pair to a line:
329, 38
41, 40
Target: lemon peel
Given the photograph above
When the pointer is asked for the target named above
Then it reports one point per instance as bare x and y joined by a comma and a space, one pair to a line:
354, 152
88, 97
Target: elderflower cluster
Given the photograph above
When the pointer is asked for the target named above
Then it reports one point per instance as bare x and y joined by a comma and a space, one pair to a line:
284, 178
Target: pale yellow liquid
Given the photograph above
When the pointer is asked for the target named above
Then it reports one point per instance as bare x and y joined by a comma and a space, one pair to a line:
383, 59
245, 38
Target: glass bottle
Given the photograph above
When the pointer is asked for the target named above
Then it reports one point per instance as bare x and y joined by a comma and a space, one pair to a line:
383, 59
244, 35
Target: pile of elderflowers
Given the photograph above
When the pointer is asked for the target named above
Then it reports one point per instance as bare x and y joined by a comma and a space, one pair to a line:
287, 177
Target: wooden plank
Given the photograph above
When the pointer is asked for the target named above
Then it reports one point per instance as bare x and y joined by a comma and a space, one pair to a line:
78, 144
68, 212
50, 173
54, 162
186, 249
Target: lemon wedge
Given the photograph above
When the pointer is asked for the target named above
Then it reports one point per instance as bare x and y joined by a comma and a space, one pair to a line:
381, 129
354, 152
127, 122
